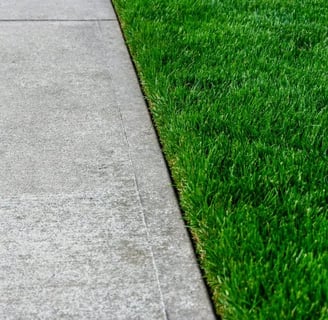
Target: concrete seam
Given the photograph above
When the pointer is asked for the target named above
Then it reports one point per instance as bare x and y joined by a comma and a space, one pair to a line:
57, 20
137, 190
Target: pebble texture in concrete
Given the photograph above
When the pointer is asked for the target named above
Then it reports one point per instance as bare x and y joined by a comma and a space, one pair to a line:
89, 225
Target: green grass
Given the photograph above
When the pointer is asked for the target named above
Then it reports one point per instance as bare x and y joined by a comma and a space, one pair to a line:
238, 90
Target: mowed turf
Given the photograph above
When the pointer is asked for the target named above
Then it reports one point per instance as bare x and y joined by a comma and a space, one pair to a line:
238, 90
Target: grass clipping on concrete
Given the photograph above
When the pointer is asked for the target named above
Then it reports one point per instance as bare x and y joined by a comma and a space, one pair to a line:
239, 93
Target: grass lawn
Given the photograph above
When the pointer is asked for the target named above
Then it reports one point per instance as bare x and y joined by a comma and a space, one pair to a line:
238, 90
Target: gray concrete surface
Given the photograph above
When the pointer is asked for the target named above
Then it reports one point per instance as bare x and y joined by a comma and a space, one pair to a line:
89, 225
55, 10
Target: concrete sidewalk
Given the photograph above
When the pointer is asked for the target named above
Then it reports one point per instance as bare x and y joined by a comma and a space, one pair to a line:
89, 224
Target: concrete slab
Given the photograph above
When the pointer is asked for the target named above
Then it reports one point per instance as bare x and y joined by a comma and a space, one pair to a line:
90, 227
56, 10
61, 130
80, 256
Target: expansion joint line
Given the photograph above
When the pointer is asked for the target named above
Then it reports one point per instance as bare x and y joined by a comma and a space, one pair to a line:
140, 202
57, 20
